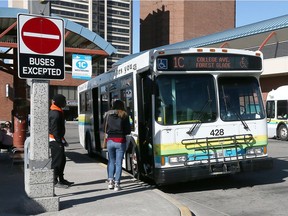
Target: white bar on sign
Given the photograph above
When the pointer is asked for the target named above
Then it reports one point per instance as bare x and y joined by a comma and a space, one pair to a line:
48, 36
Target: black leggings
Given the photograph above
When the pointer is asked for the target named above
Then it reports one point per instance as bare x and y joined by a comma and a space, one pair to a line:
58, 160
8, 147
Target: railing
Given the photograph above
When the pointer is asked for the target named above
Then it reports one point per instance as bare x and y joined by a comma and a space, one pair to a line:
210, 155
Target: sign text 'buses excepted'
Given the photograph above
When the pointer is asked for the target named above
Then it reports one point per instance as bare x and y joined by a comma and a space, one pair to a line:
41, 47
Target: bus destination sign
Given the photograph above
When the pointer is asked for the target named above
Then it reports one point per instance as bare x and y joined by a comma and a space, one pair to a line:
208, 61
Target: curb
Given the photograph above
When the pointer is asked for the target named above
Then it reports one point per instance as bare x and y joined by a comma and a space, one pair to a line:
184, 210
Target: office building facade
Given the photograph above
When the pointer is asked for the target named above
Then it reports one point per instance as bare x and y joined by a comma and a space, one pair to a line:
112, 20
76, 11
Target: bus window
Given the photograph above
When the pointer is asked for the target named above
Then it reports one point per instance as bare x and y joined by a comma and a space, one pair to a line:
104, 105
182, 99
113, 97
126, 97
270, 109
282, 109
240, 98
113, 86
82, 103
88, 99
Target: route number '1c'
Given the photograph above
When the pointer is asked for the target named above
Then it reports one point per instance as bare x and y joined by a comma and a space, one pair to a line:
178, 62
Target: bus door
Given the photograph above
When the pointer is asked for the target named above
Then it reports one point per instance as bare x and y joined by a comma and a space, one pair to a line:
104, 107
270, 111
144, 93
126, 95
96, 119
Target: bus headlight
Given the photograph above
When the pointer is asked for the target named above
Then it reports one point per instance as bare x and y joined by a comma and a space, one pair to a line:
177, 159
255, 151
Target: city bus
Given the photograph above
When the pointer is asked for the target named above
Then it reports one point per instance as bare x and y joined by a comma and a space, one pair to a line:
277, 113
194, 113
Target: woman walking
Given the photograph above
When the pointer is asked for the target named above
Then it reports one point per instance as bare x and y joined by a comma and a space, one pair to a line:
118, 126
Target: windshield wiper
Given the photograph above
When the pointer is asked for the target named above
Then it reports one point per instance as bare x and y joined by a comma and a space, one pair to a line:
199, 117
201, 114
241, 119
228, 105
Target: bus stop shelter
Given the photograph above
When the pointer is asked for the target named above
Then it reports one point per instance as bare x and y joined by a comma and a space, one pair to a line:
78, 40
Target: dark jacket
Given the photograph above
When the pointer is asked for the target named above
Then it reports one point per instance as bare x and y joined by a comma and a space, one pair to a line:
56, 123
116, 127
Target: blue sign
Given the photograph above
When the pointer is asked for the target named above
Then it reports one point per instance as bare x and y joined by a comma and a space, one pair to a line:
81, 66
162, 64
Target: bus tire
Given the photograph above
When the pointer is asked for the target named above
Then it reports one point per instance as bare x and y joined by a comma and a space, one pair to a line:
135, 169
88, 144
283, 133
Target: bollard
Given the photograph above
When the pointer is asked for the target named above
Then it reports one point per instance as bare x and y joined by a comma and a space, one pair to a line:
19, 132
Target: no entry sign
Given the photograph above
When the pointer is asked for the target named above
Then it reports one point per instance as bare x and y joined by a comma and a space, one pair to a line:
41, 40
40, 47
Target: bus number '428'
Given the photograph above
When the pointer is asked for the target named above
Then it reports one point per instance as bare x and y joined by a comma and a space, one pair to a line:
217, 132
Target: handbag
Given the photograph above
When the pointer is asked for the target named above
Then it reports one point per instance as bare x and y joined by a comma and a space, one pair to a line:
104, 142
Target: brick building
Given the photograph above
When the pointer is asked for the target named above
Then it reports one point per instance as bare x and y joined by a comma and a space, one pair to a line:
167, 22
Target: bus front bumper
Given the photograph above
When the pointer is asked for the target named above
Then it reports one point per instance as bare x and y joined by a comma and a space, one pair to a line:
188, 173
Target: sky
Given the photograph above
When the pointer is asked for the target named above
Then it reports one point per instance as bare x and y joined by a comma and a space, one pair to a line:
3, 3
247, 12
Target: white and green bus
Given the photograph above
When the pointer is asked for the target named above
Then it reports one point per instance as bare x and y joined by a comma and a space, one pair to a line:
194, 112
277, 113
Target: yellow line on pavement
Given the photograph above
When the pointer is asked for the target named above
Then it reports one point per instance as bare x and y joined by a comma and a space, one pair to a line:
184, 210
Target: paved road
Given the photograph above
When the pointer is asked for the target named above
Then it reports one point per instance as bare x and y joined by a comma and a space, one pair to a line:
262, 193
89, 195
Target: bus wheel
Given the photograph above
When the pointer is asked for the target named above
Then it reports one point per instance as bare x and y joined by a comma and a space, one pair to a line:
283, 133
89, 146
135, 163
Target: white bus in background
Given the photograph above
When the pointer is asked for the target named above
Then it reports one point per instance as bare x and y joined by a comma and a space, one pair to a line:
277, 113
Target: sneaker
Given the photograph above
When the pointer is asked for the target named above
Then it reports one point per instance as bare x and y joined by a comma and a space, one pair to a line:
117, 187
65, 182
110, 184
60, 185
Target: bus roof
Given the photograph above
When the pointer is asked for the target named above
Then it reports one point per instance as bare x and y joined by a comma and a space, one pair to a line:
281, 93
141, 62
138, 64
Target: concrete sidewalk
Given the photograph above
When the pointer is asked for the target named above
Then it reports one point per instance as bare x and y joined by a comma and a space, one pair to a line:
89, 195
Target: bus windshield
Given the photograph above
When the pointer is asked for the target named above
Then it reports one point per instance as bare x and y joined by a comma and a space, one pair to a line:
184, 99
240, 99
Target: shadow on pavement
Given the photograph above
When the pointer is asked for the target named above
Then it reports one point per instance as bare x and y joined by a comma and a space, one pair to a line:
246, 179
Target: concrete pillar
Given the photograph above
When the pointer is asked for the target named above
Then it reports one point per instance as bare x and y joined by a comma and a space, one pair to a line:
38, 174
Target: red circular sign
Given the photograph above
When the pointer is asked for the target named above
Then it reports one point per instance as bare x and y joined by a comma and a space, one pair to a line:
41, 35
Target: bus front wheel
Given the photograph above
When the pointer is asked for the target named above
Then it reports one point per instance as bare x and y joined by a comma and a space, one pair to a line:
283, 133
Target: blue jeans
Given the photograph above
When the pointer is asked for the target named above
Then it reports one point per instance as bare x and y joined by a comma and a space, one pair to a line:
116, 154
